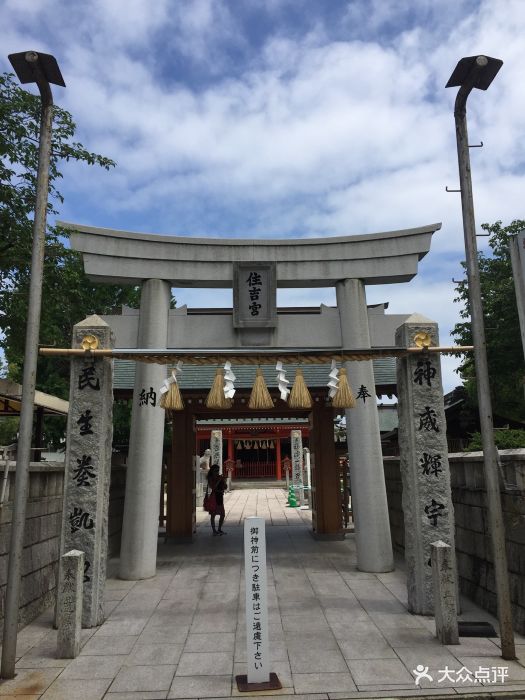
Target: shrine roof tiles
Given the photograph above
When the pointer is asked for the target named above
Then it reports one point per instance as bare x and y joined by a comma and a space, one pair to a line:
194, 377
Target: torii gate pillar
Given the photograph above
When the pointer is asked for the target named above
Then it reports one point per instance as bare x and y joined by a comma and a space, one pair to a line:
138, 552
367, 479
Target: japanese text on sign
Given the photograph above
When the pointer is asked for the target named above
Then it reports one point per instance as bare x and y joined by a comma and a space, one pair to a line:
257, 650
254, 295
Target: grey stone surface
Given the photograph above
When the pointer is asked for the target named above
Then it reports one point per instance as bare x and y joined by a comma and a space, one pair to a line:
367, 671
427, 498
151, 654
322, 682
369, 501
29, 682
69, 604
88, 465
138, 550
100, 645
86, 667
378, 258
315, 329
184, 687
445, 588
142, 678
211, 663
213, 574
66, 689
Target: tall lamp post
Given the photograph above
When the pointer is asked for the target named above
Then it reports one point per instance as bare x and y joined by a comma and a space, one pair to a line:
479, 72
42, 69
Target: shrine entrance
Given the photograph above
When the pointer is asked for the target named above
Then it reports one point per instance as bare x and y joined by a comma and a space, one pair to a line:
253, 448
254, 332
191, 428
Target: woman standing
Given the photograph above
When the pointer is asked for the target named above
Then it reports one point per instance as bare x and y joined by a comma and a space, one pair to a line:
217, 485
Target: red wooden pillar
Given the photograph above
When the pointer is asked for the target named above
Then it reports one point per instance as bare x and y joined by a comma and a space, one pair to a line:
278, 458
230, 448
180, 522
326, 487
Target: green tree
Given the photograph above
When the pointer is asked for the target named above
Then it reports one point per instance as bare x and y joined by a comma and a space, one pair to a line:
68, 296
504, 348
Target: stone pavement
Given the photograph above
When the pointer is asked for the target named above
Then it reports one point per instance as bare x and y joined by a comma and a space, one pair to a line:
335, 632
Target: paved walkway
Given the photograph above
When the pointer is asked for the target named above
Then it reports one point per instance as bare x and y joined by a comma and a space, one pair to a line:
335, 632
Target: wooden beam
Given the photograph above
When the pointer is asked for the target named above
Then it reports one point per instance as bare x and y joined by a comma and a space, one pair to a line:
326, 487
181, 478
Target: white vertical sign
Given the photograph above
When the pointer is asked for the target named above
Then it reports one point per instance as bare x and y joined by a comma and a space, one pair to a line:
257, 647
297, 462
216, 448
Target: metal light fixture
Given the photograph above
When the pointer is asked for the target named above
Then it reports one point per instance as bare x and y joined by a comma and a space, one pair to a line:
478, 72
42, 69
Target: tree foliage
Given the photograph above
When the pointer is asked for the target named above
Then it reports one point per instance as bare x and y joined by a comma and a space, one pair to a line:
68, 296
504, 439
504, 348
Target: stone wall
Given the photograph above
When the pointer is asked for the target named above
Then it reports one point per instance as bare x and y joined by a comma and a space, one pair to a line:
42, 534
473, 545
394, 493
117, 490
41, 540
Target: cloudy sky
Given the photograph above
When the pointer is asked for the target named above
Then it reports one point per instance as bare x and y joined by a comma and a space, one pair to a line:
279, 118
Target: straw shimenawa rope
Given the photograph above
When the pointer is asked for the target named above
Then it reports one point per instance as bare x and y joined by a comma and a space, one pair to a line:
344, 397
216, 398
171, 400
299, 396
260, 396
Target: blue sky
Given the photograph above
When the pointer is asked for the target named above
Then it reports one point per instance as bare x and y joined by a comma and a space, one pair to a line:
272, 118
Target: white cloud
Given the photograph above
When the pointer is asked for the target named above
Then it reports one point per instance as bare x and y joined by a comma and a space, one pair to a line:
325, 127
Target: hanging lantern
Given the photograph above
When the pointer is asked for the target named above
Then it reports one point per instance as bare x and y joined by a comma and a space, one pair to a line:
299, 396
344, 397
216, 398
171, 399
260, 397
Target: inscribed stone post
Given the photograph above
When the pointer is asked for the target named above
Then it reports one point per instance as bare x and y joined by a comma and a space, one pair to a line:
296, 441
444, 580
427, 499
88, 463
69, 604
216, 448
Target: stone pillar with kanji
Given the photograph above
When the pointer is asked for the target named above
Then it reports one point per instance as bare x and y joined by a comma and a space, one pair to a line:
425, 474
88, 462
216, 448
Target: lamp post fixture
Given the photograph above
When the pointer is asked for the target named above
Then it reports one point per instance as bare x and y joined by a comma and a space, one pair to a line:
42, 69
479, 72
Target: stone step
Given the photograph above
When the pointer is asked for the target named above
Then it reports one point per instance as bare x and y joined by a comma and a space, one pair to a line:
258, 484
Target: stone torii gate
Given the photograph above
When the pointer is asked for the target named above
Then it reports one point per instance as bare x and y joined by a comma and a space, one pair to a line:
159, 263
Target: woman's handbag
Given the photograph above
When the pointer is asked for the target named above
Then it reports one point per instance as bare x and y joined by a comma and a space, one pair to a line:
210, 502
